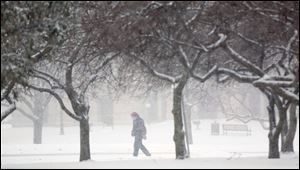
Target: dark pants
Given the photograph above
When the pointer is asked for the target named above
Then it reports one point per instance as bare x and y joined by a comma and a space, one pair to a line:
138, 144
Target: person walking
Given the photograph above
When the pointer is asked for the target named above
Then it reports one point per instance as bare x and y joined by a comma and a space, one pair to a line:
139, 133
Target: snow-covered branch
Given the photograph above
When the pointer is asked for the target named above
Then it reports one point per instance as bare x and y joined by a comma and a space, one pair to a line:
8, 111
284, 49
156, 73
58, 98
197, 13
237, 76
37, 56
278, 90
289, 45
265, 13
212, 46
211, 72
248, 39
196, 60
185, 62
152, 4
197, 47
243, 61
222, 38
212, 31
279, 81
202, 47
50, 77
106, 61
7, 89
95, 75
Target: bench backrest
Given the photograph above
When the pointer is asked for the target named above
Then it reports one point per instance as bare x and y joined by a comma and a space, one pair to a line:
235, 127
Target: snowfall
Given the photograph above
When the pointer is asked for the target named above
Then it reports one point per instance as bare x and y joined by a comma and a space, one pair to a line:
112, 148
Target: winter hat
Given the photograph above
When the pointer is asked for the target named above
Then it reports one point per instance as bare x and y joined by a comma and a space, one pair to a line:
134, 114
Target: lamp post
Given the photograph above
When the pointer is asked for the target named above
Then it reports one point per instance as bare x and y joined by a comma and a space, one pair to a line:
148, 107
186, 129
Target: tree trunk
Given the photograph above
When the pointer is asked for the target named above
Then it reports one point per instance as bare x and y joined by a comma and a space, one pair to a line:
273, 140
288, 143
39, 109
273, 147
37, 131
38, 112
284, 133
276, 130
178, 120
84, 140
81, 109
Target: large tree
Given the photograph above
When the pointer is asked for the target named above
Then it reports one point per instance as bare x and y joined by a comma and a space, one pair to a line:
264, 42
29, 31
81, 59
160, 45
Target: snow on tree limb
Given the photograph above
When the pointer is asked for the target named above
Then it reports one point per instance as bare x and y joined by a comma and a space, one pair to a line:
274, 83
289, 45
264, 12
37, 56
198, 47
243, 61
186, 62
50, 77
248, 39
212, 31
95, 75
7, 89
237, 76
292, 39
156, 73
284, 48
7, 112
279, 90
287, 94
58, 98
106, 61
199, 11
222, 38
196, 60
211, 72
279, 81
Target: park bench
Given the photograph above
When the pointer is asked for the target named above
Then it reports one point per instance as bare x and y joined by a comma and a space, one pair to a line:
236, 128
215, 128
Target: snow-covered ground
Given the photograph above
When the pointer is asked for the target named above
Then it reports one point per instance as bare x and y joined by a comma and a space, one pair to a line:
112, 148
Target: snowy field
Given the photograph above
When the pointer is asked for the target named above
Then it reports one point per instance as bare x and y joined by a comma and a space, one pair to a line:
112, 148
